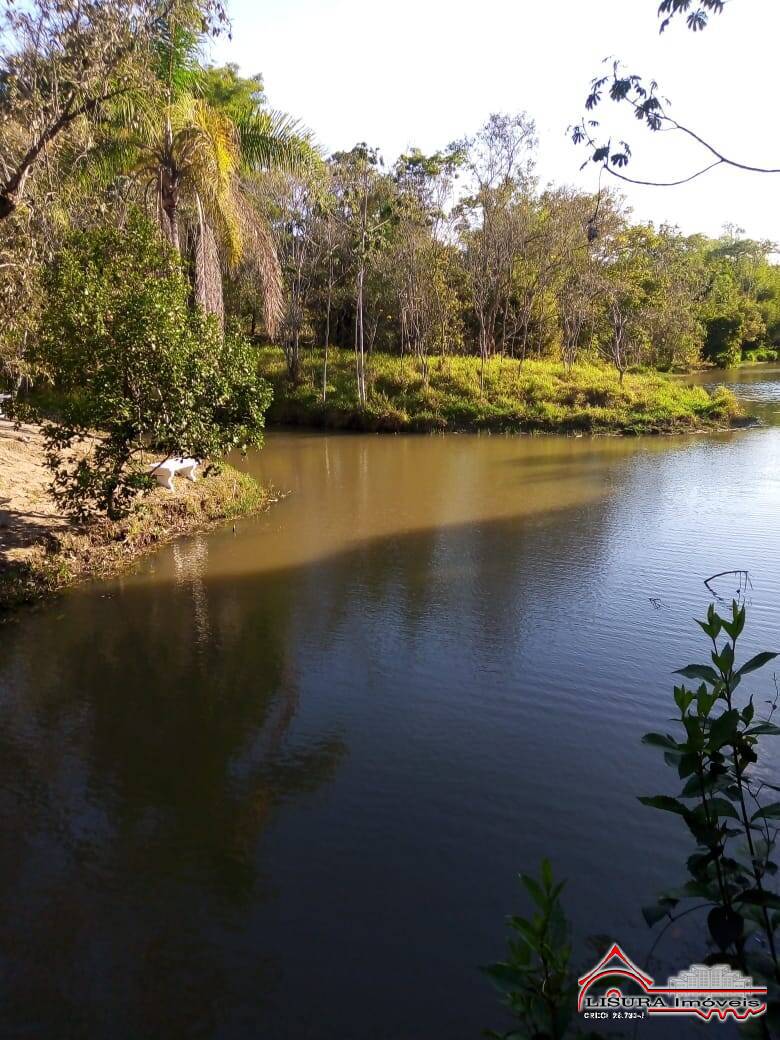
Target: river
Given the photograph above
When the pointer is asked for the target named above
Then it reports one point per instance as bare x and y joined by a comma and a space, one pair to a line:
279, 780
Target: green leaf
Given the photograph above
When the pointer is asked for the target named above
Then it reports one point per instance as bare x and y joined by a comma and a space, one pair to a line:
767, 812
547, 876
699, 671
725, 659
723, 808
756, 662
663, 801
757, 897
535, 890
507, 978
710, 782
763, 728
724, 729
725, 926
682, 698
662, 740
687, 765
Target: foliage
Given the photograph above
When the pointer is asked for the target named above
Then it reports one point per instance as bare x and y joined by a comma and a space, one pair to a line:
723, 803
65, 62
135, 367
644, 98
536, 979
194, 145
457, 393
460, 252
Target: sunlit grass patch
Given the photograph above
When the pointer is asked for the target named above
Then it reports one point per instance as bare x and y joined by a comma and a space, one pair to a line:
535, 396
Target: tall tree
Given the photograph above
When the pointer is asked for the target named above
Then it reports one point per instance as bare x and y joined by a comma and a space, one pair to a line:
65, 61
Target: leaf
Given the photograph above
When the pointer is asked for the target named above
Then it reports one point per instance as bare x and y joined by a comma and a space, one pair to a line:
725, 926
663, 801
547, 876
757, 897
682, 698
724, 729
535, 890
711, 782
764, 728
699, 671
526, 931
767, 812
662, 740
723, 808
756, 662
504, 976
687, 765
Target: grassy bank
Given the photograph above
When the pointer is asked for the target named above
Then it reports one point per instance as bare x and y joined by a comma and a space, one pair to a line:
64, 555
537, 396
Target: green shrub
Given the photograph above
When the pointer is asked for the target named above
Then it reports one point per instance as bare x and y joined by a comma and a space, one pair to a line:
135, 368
723, 343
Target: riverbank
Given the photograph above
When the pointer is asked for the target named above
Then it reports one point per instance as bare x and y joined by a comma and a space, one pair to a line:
535, 396
42, 552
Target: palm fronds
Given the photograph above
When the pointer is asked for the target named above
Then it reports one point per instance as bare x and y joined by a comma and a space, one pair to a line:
273, 140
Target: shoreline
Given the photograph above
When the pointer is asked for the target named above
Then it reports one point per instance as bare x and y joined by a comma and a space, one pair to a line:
742, 422
42, 553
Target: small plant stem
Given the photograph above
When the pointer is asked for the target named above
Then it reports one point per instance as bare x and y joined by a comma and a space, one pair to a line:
728, 678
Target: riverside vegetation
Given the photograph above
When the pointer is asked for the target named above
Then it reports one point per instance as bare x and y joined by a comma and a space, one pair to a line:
457, 393
158, 223
725, 803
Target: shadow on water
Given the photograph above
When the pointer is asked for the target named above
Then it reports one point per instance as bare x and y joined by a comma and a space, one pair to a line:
283, 790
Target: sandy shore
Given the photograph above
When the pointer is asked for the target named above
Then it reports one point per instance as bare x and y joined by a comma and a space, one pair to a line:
29, 516
42, 551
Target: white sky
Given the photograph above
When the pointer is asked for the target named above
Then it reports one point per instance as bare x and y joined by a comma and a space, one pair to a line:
424, 72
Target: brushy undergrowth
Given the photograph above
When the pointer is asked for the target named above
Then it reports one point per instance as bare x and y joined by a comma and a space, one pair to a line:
104, 547
535, 396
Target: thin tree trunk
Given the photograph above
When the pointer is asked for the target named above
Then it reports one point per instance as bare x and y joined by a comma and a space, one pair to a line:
327, 342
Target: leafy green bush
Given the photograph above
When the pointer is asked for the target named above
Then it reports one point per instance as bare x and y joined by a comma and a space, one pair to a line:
136, 368
723, 800
723, 343
536, 980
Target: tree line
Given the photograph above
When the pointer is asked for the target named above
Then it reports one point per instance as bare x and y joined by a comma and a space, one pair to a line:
463, 251
111, 118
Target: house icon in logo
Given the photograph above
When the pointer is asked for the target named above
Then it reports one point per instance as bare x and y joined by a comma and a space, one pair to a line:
614, 962
716, 991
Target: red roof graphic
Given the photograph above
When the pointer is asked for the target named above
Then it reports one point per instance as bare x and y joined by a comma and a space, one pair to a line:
614, 962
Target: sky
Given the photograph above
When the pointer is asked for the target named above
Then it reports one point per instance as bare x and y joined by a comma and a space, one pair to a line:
426, 72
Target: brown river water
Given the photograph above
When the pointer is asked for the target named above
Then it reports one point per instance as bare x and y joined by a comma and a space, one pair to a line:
279, 781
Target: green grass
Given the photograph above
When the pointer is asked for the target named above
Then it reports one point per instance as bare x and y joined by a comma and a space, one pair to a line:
107, 547
537, 396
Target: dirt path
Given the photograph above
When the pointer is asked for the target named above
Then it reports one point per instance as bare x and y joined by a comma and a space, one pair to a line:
28, 513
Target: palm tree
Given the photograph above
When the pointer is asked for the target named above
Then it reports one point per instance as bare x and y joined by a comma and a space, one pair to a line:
197, 161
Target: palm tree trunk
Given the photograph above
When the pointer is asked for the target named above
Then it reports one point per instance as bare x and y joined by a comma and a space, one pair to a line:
208, 274
169, 204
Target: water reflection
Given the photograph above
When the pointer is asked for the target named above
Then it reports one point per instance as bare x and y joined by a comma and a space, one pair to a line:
139, 767
279, 783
